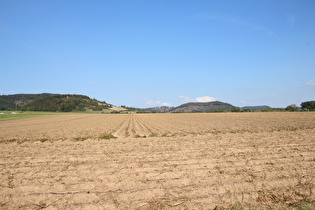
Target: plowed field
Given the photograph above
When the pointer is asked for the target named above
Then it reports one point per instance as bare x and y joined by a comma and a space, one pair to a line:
156, 161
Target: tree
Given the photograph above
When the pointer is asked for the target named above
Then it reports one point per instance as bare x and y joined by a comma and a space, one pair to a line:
308, 105
292, 108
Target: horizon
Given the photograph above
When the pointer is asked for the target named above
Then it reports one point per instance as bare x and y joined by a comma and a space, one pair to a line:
149, 107
161, 53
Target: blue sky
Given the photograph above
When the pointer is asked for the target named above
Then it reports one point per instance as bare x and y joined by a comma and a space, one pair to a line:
160, 52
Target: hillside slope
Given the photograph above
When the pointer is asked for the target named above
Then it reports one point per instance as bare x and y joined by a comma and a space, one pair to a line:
214, 106
12, 102
51, 102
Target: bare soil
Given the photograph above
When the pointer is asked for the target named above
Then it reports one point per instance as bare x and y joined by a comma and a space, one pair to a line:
177, 161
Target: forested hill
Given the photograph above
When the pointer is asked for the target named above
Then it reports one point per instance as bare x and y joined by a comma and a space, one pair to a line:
215, 106
51, 102
12, 102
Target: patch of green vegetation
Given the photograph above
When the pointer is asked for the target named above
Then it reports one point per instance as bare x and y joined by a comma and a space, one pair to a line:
43, 140
153, 135
107, 136
304, 206
80, 138
19, 141
238, 206
10, 115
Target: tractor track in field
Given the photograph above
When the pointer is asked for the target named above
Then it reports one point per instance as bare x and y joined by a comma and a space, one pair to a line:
132, 126
157, 129
135, 127
121, 130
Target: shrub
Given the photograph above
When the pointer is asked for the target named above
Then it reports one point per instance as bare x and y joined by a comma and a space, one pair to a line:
107, 136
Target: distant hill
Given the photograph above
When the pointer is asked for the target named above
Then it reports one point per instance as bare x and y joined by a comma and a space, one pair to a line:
162, 109
51, 102
215, 106
253, 108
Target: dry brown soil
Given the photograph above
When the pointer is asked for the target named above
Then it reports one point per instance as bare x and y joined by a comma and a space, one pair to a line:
177, 161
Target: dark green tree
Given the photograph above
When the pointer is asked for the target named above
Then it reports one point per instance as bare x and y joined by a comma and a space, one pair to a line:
292, 108
308, 105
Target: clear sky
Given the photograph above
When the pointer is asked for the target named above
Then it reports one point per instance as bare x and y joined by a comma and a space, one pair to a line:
146, 53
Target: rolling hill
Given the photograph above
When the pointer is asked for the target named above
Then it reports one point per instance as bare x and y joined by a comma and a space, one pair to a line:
51, 102
215, 106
